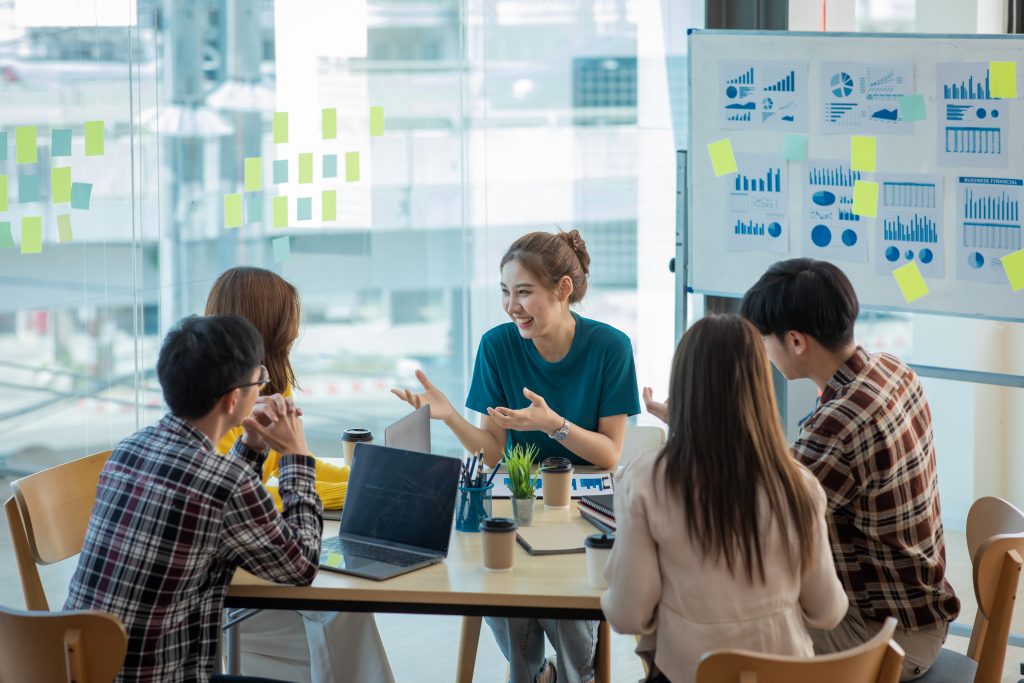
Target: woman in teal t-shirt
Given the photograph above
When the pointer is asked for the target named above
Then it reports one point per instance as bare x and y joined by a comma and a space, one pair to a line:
559, 381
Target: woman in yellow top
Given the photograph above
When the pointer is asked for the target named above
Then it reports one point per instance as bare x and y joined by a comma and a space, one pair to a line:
320, 647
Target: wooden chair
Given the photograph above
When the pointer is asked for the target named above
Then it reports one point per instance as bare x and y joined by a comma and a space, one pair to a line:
48, 516
77, 647
876, 661
995, 542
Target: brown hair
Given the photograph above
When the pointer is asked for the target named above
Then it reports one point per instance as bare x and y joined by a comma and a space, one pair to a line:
552, 256
726, 448
272, 305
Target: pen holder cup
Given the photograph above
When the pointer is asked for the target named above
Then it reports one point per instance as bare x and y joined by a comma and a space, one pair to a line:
472, 507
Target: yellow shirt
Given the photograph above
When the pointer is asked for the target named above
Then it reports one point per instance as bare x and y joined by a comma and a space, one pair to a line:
331, 480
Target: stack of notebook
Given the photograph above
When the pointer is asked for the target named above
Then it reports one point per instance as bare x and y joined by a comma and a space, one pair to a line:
599, 511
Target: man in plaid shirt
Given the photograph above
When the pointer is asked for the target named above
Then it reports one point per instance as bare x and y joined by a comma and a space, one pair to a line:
173, 519
869, 442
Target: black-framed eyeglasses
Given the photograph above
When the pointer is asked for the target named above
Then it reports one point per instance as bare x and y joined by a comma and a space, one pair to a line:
261, 382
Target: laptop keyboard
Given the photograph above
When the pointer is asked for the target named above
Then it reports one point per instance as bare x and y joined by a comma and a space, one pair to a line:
370, 551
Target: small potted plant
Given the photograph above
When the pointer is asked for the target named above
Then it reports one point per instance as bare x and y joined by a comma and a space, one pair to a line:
522, 481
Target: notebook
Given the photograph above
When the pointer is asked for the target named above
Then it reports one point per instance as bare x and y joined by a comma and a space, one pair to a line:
603, 504
553, 539
601, 523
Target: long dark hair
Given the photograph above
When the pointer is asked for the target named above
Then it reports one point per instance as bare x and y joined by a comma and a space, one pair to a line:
726, 448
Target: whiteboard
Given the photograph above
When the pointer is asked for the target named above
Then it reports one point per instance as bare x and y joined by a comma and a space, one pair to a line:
966, 158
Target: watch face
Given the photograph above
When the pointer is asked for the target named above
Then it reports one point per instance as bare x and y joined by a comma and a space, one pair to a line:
560, 434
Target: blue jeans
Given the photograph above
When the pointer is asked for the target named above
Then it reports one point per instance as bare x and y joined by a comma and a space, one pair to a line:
522, 643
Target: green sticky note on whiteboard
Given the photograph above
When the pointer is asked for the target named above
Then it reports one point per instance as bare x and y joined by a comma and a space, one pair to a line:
282, 248
376, 122
306, 167
280, 219
1013, 264
31, 235
722, 158
911, 282
25, 145
1003, 79
862, 152
794, 147
64, 228
351, 167
60, 184
6, 238
232, 210
329, 205
280, 127
329, 123
253, 174
94, 138
865, 198
911, 108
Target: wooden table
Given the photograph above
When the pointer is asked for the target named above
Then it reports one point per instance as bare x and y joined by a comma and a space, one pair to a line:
551, 586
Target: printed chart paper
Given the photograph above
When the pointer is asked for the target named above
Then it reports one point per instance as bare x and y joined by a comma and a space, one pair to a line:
763, 95
909, 225
973, 127
988, 226
756, 199
831, 229
865, 97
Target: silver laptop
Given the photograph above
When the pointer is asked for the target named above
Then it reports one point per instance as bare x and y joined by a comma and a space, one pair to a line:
398, 513
411, 433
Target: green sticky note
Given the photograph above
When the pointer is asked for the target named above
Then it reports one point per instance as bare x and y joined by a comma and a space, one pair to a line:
280, 127
722, 158
1002, 79
304, 208
64, 228
329, 121
1013, 264
3, 193
253, 208
862, 152
794, 147
25, 145
351, 167
333, 560
253, 174
60, 142
31, 234
80, 194
60, 184
3, 146
280, 212
28, 189
911, 282
93, 138
329, 205
280, 171
306, 167
330, 166
282, 248
6, 238
911, 108
232, 210
376, 122
865, 198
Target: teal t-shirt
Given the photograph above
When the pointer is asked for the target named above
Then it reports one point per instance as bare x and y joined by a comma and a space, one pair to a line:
596, 379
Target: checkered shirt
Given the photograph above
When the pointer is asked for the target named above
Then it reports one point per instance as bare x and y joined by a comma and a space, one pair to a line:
172, 521
870, 444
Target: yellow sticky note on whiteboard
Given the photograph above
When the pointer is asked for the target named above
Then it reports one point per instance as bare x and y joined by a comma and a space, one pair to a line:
862, 152
911, 282
1013, 264
1002, 79
865, 198
722, 158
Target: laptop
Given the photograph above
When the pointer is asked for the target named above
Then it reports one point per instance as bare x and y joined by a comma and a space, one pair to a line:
410, 433
398, 513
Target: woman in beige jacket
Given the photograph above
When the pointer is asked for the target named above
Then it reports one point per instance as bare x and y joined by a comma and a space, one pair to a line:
721, 539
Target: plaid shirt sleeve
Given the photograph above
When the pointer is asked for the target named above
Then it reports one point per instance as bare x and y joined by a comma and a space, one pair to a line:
827, 456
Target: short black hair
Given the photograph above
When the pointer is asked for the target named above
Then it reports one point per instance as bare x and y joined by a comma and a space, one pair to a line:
808, 296
203, 358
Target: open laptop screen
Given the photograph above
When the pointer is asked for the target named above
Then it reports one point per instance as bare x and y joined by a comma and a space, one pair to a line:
401, 496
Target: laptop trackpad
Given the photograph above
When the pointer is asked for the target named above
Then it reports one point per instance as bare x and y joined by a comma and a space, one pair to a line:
336, 560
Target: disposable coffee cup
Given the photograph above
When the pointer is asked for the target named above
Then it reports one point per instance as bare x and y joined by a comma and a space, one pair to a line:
498, 535
349, 440
598, 548
556, 482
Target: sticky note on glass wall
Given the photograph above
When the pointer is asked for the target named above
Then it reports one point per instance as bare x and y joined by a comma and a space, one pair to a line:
1003, 79
31, 234
3, 193
25, 145
282, 248
60, 184
329, 205
280, 218
1013, 264
94, 138
304, 208
232, 210
280, 171
3, 146
28, 189
911, 108
351, 167
306, 167
910, 281
794, 147
280, 127
64, 228
862, 152
376, 122
330, 166
722, 158
6, 238
865, 198
253, 174
80, 195
60, 142
253, 208
329, 123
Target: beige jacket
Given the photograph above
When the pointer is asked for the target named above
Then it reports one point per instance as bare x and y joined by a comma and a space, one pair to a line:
660, 584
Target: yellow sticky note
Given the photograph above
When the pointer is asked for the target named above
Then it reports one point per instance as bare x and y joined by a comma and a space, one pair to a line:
1013, 264
351, 167
1002, 79
3, 193
862, 152
25, 145
60, 184
64, 227
253, 174
32, 235
376, 121
306, 167
865, 198
329, 123
232, 210
722, 158
911, 282
280, 127
334, 560
329, 205
280, 212
94, 138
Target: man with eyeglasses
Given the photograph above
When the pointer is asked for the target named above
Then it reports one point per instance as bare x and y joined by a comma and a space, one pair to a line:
173, 519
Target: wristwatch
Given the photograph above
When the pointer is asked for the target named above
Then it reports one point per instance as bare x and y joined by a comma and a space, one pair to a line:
562, 432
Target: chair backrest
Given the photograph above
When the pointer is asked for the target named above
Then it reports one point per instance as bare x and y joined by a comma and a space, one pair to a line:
638, 439
876, 661
84, 647
48, 517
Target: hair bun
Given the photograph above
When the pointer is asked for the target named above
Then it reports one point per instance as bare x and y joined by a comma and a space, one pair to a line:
575, 241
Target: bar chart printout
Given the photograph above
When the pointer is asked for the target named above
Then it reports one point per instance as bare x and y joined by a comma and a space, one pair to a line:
864, 97
972, 127
988, 226
757, 219
909, 224
831, 229
766, 95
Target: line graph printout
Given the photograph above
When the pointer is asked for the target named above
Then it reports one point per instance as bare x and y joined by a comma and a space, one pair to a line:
762, 95
757, 197
863, 97
988, 226
909, 223
831, 229
972, 127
